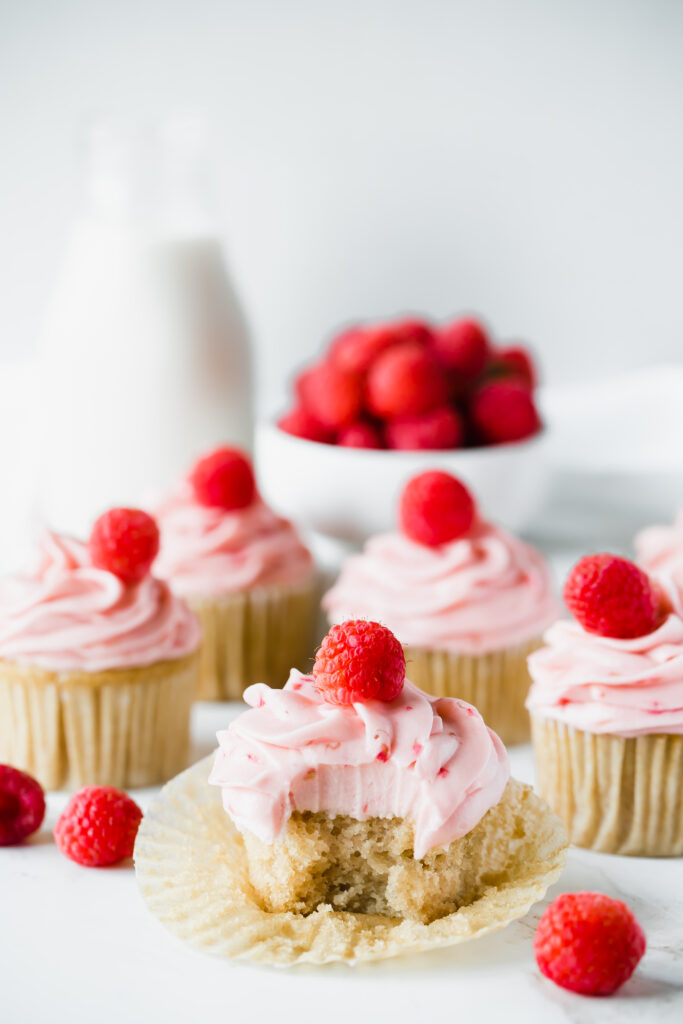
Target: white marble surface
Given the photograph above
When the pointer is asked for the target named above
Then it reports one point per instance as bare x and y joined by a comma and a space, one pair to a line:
77, 945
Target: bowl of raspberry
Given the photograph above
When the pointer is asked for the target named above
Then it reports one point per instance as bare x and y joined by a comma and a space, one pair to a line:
387, 401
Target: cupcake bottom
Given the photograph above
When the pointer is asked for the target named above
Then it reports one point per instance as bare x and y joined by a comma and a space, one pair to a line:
120, 727
255, 636
194, 874
496, 682
614, 794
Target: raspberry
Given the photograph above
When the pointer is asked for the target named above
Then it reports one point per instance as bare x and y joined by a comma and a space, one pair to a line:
98, 826
588, 943
463, 346
359, 435
300, 423
359, 661
440, 428
405, 381
333, 396
224, 479
435, 508
611, 596
504, 410
22, 805
357, 348
124, 541
415, 330
515, 361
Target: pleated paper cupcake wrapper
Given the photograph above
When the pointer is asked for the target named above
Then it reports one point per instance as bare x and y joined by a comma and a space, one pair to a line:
496, 682
614, 794
255, 636
122, 727
192, 869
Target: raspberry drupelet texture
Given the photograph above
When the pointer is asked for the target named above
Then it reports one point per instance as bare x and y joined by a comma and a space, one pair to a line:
435, 509
124, 541
589, 943
359, 661
463, 346
441, 428
611, 596
224, 479
300, 423
22, 805
98, 826
504, 411
405, 381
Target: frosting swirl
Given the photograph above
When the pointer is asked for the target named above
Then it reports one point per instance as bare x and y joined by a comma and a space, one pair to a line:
209, 551
482, 592
659, 550
604, 685
67, 614
432, 761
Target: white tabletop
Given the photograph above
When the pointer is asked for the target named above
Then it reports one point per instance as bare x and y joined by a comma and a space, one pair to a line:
78, 945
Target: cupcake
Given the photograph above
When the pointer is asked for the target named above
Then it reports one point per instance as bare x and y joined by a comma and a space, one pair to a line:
243, 570
607, 712
468, 601
364, 818
98, 661
659, 550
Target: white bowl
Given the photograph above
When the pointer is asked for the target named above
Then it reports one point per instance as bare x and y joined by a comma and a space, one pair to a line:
350, 493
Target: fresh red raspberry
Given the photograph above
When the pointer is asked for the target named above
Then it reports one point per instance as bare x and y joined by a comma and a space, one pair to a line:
359, 435
98, 826
503, 411
515, 361
588, 943
333, 396
440, 428
22, 805
405, 381
224, 479
359, 661
124, 541
300, 423
415, 330
357, 348
611, 596
435, 508
463, 346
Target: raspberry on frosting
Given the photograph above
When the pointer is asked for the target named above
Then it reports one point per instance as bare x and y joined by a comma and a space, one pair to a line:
405, 380
435, 509
359, 661
22, 805
124, 541
98, 826
224, 479
611, 596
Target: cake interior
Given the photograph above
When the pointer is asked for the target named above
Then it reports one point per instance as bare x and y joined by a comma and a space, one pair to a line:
368, 867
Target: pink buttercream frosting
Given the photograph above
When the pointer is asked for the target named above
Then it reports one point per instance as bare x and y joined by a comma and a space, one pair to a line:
659, 550
483, 592
208, 551
432, 761
67, 614
603, 685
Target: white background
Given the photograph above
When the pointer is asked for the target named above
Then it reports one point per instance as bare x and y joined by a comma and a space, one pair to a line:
518, 157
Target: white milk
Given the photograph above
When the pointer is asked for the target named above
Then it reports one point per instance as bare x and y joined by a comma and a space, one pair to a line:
145, 354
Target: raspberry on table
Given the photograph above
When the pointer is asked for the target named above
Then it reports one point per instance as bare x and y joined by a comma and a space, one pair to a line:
436, 508
463, 346
300, 423
333, 396
612, 596
405, 380
22, 805
359, 435
359, 661
98, 826
588, 943
124, 541
439, 429
224, 479
504, 411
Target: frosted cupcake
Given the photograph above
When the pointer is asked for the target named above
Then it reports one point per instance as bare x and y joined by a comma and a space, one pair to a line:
98, 661
373, 819
659, 550
607, 712
243, 570
468, 601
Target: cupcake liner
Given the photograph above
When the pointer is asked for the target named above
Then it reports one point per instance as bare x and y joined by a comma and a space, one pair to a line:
496, 682
120, 727
615, 794
255, 636
193, 872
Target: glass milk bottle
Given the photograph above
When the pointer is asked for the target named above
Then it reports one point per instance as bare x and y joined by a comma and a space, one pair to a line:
145, 354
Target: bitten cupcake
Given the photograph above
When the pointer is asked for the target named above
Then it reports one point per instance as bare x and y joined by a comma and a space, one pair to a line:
607, 712
98, 661
468, 601
243, 570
